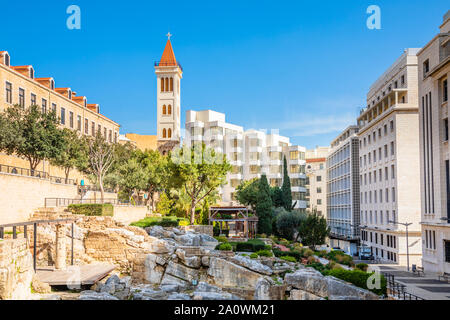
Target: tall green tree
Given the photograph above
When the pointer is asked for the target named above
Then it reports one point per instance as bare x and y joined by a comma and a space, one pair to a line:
31, 134
133, 177
313, 230
286, 188
74, 154
287, 222
155, 166
199, 171
277, 197
122, 153
101, 158
264, 206
247, 193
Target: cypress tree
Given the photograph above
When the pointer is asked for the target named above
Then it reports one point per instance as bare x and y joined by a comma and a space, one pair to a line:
286, 188
264, 207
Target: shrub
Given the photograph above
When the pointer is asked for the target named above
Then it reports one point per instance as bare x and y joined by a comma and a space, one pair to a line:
88, 209
362, 266
221, 238
311, 260
340, 257
254, 256
251, 245
358, 278
158, 221
278, 253
264, 253
288, 258
225, 246
307, 253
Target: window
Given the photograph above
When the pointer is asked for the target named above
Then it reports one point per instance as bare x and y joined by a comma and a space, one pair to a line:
86, 126
169, 109
381, 196
79, 123
294, 155
44, 106
105, 133
319, 190
99, 129
402, 80
93, 128
392, 148
167, 84
53, 107
392, 172
379, 133
52, 84
319, 178
71, 119
379, 153
21, 97
387, 194
164, 133
63, 116
7, 59
447, 250
169, 133
385, 129
33, 99
385, 150
386, 173
70, 94
446, 129
164, 110
444, 90
426, 67
115, 137
110, 135
171, 85
8, 92
393, 194
319, 201
392, 125
162, 84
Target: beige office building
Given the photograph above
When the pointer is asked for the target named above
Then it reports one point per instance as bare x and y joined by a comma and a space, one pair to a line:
19, 86
434, 72
316, 179
389, 164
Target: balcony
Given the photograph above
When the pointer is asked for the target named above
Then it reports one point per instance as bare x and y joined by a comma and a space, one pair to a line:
168, 64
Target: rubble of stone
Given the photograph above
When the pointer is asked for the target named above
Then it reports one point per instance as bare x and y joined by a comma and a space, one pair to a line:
159, 263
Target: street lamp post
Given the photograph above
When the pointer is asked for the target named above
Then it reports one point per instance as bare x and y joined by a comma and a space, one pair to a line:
406, 224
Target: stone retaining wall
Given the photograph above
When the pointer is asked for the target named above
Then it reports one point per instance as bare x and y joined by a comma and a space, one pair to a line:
16, 269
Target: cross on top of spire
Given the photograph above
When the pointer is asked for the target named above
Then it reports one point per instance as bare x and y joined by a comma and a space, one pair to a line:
169, 35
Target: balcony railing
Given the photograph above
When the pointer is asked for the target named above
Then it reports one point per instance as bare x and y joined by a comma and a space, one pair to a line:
168, 64
64, 202
23, 172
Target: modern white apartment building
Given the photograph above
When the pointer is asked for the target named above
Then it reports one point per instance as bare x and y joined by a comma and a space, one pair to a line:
342, 166
316, 179
251, 153
389, 164
434, 73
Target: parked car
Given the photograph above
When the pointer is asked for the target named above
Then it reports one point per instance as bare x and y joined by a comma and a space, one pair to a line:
365, 253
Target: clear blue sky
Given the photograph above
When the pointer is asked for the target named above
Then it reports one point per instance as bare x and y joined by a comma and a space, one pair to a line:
303, 67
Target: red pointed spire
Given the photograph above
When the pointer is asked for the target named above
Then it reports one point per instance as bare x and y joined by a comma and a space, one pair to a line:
168, 57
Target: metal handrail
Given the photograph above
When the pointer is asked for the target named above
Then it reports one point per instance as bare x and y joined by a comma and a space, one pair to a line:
64, 202
397, 289
35, 173
23, 171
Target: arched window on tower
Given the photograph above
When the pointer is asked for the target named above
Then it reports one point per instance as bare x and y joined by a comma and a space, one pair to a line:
169, 109
162, 84
164, 133
169, 135
164, 109
171, 84
167, 84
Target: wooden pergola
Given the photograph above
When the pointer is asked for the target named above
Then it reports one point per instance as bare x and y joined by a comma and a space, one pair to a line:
244, 225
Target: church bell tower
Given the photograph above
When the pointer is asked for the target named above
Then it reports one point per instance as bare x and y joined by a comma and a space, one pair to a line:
169, 73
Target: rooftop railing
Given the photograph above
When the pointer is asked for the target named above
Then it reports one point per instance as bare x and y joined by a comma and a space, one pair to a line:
168, 64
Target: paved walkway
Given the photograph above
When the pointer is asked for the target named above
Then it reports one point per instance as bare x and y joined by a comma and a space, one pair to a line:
427, 287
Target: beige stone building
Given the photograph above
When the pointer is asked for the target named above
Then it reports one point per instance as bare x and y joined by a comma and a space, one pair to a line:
434, 72
18, 85
389, 164
316, 173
